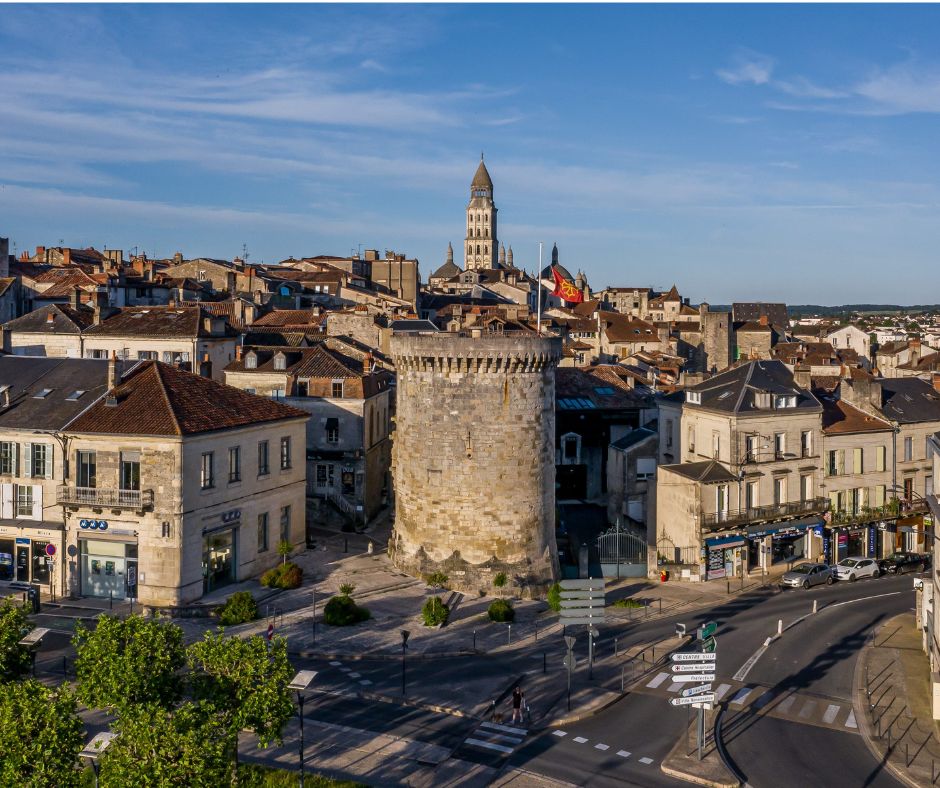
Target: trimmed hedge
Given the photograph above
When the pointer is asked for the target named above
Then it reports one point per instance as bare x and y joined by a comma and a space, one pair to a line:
501, 610
342, 611
435, 612
286, 575
554, 597
238, 609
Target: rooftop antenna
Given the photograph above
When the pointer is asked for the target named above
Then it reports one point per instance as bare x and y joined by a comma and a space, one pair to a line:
244, 253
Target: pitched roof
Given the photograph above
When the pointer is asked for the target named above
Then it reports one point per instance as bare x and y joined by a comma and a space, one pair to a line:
159, 399
706, 471
909, 400
155, 321
732, 391
446, 271
5, 283
281, 318
622, 328
841, 418
593, 388
775, 313
65, 320
632, 438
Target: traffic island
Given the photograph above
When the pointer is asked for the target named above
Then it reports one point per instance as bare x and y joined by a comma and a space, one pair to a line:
683, 762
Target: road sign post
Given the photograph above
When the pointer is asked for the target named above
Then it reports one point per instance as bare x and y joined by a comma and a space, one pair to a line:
570, 663
698, 667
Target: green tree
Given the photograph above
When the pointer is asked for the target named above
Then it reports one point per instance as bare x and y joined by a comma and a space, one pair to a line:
40, 736
554, 597
14, 658
159, 748
245, 682
136, 660
284, 549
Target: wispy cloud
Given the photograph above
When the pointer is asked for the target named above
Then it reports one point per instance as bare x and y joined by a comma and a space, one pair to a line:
748, 68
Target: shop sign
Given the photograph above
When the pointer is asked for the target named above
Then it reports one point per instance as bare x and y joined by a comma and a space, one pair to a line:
871, 540
231, 516
843, 539
22, 540
93, 525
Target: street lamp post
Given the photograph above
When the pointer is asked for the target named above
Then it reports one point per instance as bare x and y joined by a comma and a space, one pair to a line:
97, 745
404, 646
300, 683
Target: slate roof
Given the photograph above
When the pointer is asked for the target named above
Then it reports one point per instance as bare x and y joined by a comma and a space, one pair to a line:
909, 400
65, 320
155, 321
413, 325
706, 471
6, 283
593, 388
841, 418
744, 311
28, 375
732, 391
446, 271
632, 438
159, 399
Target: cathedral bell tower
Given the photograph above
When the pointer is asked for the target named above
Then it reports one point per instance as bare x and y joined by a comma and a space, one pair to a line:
480, 244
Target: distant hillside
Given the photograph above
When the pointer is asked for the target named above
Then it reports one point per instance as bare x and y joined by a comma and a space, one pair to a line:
801, 310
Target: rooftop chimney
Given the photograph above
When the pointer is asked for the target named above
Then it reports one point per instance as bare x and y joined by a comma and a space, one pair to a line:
238, 352
50, 318
935, 379
112, 371
205, 367
76, 300
40, 251
763, 320
367, 364
66, 256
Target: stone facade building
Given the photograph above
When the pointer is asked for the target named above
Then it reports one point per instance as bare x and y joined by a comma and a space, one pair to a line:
480, 245
474, 458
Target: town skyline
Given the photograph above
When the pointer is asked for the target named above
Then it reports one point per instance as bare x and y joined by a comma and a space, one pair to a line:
707, 165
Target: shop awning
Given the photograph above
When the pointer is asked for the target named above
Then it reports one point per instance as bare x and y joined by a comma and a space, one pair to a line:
787, 526
726, 541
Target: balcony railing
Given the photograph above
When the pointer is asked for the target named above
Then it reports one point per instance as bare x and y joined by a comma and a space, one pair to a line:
758, 514
889, 511
104, 497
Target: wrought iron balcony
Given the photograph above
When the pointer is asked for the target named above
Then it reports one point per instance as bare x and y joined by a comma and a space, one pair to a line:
104, 498
889, 511
760, 514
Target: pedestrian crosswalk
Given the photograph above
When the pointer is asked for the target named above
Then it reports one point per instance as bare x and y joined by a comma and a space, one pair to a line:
496, 737
777, 702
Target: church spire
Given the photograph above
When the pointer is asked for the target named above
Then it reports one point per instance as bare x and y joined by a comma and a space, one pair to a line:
509, 257
450, 253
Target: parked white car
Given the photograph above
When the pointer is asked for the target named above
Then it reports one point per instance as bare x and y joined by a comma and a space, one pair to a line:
854, 567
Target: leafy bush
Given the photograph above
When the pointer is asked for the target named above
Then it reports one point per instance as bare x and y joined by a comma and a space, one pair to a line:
436, 580
239, 608
554, 597
628, 603
346, 589
14, 658
341, 611
284, 549
435, 612
287, 575
500, 580
501, 610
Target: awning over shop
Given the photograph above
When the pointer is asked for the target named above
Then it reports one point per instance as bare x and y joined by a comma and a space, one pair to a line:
723, 542
785, 527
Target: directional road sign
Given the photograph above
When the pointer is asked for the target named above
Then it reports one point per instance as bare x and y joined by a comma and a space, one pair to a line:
584, 584
701, 688
569, 641
710, 698
582, 620
707, 631
686, 678
570, 661
710, 644
693, 656
685, 667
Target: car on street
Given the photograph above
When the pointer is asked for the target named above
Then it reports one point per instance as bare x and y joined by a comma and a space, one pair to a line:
854, 567
807, 574
901, 562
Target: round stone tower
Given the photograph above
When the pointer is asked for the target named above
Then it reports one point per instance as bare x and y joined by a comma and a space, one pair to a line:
473, 459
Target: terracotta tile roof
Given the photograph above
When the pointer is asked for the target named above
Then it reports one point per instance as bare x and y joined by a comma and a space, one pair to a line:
892, 348
622, 328
224, 309
294, 318
156, 321
65, 320
600, 386
6, 283
159, 399
841, 418
928, 363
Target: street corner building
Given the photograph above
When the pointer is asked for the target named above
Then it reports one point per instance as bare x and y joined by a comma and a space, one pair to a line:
138, 480
474, 457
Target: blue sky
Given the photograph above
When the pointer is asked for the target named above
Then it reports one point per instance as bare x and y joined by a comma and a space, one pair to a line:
742, 152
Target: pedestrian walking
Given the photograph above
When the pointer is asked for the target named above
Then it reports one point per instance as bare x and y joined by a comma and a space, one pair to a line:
518, 698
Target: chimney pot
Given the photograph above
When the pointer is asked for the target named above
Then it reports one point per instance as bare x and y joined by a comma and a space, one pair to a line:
50, 318
112, 371
238, 353
763, 320
367, 364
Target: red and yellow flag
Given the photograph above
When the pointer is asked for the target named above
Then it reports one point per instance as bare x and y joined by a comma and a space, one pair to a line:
566, 289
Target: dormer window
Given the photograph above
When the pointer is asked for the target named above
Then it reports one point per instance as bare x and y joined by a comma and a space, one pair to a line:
785, 401
251, 361
280, 362
693, 397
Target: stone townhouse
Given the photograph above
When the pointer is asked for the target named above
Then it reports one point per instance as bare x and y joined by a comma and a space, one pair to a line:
738, 482
621, 337
632, 301
54, 330
853, 338
153, 483
348, 396
631, 478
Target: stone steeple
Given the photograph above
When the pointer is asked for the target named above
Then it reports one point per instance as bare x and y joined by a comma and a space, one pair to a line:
502, 256
509, 258
480, 244
450, 253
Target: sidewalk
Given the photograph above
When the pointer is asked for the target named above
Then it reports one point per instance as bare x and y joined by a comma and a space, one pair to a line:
892, 681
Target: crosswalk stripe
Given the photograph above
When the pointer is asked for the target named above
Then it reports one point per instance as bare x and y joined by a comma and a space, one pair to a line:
500, 736
784, 705
658, 680
365, 682
560, 733
504, 728
601, 746
335, 664
831, 713
580, 739
623, 753
763, 700
674, 686
354, 675
646, 761
722, 689
850, 721
742, 695
489, 745
808, 708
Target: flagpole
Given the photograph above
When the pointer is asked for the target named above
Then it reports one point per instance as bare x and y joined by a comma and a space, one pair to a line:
538, 282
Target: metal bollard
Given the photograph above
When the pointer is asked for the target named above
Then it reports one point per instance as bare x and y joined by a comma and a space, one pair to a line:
509, 631
65, 667
544, 663
345, 544
536, 629
621, 679
660, 606
474, 640
615, 647
110, 600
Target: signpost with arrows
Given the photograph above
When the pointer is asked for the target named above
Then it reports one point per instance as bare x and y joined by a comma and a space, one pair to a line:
582, 602
698, 666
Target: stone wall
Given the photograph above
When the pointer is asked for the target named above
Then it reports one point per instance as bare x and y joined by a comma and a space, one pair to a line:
473, 458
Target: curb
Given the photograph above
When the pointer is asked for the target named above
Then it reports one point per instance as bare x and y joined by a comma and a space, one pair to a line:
557, 723
697, 779
723, 753
386, 656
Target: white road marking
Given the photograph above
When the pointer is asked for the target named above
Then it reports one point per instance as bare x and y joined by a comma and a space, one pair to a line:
763, 700
850, 721
674, 686
831, 713
722, 689
623, 753
808, 708
335, 664
504, 728
646, 761
863, 599
560, 733
742, 695
365, 682
580, 739
751, 662
345, 670
658, 680
601, 747
489, 745
501, 737
784, 705
354, 675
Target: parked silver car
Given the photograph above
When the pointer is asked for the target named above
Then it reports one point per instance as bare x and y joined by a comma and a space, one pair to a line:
854, 567
807, 575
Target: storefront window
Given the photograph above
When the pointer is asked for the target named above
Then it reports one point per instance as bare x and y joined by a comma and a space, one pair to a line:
40, 564
218, 559
6, 559
103, 568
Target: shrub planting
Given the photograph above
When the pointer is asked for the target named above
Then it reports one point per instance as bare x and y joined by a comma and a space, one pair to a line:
435, 612
342, 611
554, 597
287, 575
501, 610
238, 609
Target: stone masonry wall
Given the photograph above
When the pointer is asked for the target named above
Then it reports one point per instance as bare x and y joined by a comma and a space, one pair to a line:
473, 459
